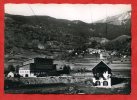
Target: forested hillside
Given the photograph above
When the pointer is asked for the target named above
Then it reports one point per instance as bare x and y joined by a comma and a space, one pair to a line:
44, 32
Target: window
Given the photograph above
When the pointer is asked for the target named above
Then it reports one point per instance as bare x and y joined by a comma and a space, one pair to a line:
26, 75
105, 83
97, 83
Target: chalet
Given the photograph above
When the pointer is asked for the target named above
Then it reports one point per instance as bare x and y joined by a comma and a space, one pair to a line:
37, 67
102, 75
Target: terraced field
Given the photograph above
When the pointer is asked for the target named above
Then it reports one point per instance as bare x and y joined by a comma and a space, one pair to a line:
118, 67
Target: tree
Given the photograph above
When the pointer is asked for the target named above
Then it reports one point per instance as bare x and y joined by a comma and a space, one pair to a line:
11, 68
66, 69
17, 68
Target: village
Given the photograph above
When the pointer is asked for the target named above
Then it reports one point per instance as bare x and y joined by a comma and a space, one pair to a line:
99, 72
88, 54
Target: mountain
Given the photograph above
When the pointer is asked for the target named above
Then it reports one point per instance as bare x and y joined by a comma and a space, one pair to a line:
120, 19
44, 32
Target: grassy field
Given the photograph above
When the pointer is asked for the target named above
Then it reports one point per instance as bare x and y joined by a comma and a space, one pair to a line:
70, 88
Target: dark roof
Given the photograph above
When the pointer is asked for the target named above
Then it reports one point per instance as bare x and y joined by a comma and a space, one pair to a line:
101, 67
43, 58
39, 58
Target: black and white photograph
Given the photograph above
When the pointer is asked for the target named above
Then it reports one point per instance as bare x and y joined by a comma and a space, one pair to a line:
67, 48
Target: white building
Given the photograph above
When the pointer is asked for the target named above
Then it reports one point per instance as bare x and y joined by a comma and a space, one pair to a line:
25, 71
103, 55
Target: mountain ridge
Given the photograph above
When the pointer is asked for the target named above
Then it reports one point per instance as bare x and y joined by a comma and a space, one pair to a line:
117, 19
52, 32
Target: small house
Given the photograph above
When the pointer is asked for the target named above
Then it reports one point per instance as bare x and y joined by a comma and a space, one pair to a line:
102, 75
10, 74
103, 55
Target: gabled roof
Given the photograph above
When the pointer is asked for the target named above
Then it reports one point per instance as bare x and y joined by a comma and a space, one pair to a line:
101, 67
39, 58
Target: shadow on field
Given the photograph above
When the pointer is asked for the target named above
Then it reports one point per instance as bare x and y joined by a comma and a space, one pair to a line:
116, 80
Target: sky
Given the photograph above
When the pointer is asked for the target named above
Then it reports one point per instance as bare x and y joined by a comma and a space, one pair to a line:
85, 12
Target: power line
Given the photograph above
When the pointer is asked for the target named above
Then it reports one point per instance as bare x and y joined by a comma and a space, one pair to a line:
34, 13
92, 30
106, 22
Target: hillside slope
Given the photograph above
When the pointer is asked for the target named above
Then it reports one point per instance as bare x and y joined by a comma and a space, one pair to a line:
48, 32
